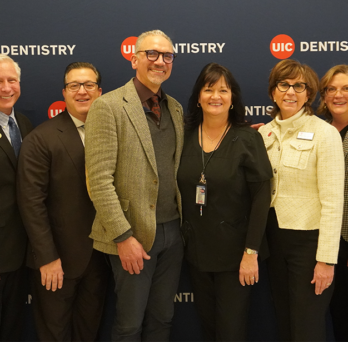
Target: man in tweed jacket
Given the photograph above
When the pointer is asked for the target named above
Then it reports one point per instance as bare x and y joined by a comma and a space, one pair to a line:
134, 138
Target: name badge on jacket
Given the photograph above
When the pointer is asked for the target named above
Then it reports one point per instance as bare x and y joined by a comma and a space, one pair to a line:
305, 136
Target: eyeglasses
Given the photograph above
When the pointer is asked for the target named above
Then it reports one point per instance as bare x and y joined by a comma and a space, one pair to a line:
152, 55
298, 87
75, 86
331, 91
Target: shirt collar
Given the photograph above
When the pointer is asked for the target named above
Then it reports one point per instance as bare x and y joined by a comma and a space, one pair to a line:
78, 123
4, 118
144, 92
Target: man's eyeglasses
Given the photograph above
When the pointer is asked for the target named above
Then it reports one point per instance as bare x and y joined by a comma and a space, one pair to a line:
152, 55
285, 86
75, 86
331, 91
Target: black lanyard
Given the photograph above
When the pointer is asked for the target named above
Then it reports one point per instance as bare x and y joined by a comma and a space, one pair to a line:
203, 180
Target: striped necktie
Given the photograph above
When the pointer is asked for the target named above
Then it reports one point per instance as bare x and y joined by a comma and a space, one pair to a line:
15, 136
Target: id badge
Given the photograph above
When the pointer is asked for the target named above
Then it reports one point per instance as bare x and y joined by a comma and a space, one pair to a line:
201, 194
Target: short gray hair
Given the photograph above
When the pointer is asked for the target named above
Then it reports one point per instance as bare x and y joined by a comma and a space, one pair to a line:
150, 33
5, 58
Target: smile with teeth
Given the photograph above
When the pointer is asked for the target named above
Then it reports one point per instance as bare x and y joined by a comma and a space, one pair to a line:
215, 104
290, 101
82, 100
157, 71
6, 97
339, 103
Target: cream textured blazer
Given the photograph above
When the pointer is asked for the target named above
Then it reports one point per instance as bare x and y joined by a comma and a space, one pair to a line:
308, 180
121, 165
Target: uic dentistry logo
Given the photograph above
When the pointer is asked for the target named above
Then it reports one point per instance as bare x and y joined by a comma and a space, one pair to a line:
282, 46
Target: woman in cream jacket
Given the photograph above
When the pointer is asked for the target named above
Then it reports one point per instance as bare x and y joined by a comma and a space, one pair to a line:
305, 218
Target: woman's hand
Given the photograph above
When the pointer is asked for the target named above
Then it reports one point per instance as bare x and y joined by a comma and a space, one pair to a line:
323, 277
249, 269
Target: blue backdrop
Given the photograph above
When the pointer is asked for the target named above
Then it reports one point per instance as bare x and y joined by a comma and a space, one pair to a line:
44, 36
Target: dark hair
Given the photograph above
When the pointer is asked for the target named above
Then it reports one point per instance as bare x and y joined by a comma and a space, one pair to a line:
82, 65
324, 82
210, 74
291, 69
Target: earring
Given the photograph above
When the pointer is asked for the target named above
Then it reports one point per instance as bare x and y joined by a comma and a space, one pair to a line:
232, 107
275, 100
198, 104
325, 106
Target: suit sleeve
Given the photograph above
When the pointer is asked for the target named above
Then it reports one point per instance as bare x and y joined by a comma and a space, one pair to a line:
32, 191
101, 148
330, 174
258, 173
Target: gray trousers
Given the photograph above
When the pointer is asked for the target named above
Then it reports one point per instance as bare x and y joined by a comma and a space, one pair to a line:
145, 301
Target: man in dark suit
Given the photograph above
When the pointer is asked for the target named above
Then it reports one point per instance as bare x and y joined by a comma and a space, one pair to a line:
69, 278
13, 239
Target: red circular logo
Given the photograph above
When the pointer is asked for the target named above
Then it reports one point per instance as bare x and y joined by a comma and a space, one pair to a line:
128, 47
282, 46
55, 108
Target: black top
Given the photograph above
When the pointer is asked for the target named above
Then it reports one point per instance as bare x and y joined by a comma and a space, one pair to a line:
343, 132
238, 198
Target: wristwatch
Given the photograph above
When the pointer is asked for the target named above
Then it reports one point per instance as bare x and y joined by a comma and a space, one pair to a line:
330, 264
250, 251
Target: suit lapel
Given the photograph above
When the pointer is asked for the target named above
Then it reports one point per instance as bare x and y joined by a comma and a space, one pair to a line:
70, 138
179, 130
135, 112
24, 129
7, 148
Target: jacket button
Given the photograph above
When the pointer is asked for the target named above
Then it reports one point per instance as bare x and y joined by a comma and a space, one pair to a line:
278, 148
275, 170
152, 206
273, 192
155, 181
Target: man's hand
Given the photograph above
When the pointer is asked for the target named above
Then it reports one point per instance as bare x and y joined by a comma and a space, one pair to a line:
131, 254
323, 277
257, 126
249, 269
52, 275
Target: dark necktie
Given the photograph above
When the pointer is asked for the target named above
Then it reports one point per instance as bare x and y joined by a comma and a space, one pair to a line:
156, 109
15, 136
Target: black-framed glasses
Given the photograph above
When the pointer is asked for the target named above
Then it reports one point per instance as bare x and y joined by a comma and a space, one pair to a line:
152, 55
299, 87
75, 86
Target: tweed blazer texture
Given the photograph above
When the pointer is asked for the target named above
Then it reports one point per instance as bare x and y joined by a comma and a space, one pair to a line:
308, 180
121, 165
345, 207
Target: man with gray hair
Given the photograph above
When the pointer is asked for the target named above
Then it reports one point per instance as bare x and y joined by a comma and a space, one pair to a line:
13, 239
134, 139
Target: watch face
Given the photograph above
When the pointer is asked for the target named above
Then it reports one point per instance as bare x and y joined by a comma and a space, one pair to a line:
250, 251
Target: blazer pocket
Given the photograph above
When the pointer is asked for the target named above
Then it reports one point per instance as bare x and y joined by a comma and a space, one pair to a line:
125, 207
298, 154
230, 241
190, 243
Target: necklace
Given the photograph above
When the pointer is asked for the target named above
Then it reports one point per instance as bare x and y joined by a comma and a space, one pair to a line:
212, 140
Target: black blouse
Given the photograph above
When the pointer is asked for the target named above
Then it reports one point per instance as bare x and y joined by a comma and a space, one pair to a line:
238, 198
